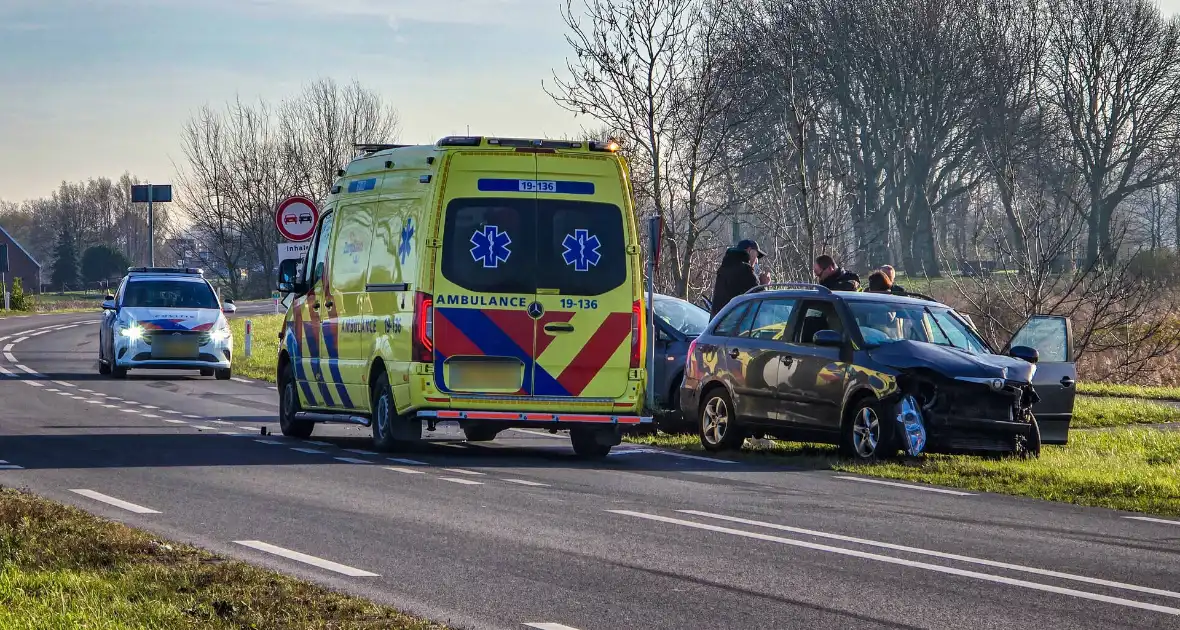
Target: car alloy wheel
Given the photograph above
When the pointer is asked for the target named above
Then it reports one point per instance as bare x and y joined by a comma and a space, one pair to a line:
866, 432
715, 421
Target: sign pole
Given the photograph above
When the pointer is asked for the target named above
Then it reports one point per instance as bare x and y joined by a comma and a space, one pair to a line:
151, 230
654, 240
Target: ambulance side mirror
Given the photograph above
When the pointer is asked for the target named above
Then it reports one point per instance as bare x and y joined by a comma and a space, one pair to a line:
289, 281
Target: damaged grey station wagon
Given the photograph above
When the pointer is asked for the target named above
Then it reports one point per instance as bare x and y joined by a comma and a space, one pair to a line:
876, 374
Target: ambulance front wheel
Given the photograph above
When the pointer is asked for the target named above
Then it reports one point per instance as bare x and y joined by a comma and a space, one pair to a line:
289, 406
591, 443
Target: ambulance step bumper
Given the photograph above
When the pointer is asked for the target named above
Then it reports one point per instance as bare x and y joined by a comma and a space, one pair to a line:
535, 417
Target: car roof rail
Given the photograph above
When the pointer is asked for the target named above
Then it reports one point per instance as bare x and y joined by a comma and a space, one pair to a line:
797, 285
917, 295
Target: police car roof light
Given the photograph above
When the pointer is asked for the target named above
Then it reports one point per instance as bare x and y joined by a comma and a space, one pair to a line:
460, 141
180, 270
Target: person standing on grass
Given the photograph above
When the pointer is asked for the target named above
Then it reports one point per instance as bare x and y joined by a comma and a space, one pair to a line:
833, 277
736, 275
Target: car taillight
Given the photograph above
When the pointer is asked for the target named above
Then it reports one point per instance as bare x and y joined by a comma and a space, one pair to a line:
690, 364
423, 331
637, 335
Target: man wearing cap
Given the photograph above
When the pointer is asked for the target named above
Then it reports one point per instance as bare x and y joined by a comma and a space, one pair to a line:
736, 274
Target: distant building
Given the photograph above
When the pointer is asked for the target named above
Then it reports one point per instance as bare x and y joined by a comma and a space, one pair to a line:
21, 264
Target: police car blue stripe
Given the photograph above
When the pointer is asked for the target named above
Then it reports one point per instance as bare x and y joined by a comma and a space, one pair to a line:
514, 185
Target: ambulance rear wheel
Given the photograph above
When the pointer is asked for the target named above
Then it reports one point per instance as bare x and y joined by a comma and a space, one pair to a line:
391, 431
588, 445
477, 433
289, 406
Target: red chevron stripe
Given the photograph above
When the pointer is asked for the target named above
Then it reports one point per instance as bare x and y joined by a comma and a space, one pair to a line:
516, 324
450, 341
597, 351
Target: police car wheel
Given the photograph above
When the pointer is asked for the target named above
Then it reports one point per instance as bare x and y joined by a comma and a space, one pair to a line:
118, 371
104, 368
223, 374
289, 406
206, 371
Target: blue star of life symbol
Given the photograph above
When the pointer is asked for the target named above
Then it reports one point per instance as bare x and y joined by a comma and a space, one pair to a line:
491, 246
403, 250
581, 250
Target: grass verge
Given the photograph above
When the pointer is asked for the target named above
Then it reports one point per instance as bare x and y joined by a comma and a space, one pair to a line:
1129, 391
1102, 413
1134, 469
264, 353
63, 568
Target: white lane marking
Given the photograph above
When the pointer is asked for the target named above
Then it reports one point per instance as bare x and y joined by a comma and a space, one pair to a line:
39, 332
26, 369
466, 482
11, 467
150, 415
110, 397
408, 471
169, 411
16, 341
8, 348
304, 558
220, 422
1036, 586
78, 397
51, 389
192, 417
149, 406
317, 443
540, 433
201, 427
525, 482
8, 355
412, 462
67, 327
65, 384
1153, 520
351, 460
255, 429
464, 472
938, 554
112, 406
5, 337
540, 625
95, 401
174, 421
231, 433
241, 380
88, 391
308, 450
5, 371
905, 485
33, 383
267, 442
119, 503
125, 410
360, 452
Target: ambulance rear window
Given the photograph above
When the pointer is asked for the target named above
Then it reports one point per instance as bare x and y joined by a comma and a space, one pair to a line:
514, 246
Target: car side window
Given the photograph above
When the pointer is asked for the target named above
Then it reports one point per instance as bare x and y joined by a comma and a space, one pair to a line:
119, 293
817, 316
772, 320
323, 239
728, 326
1049, 335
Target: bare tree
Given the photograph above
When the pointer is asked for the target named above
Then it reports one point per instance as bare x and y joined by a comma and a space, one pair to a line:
1114, 80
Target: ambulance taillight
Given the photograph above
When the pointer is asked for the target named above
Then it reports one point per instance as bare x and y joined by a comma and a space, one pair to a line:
423, 330
637, 335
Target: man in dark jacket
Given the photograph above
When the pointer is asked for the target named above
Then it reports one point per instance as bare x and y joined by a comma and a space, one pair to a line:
736, 274
833, 277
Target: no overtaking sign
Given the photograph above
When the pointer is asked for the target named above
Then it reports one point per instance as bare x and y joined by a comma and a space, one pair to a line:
296, 218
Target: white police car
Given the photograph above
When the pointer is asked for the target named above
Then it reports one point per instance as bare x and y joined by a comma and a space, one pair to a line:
168, 319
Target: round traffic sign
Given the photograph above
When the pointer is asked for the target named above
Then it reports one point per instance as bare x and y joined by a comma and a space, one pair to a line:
296, 218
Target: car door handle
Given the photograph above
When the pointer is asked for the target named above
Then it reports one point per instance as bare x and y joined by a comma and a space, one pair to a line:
1067, 382
733, 354
558, 327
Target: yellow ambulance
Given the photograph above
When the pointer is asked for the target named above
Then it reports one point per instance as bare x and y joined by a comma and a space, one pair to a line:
493, 282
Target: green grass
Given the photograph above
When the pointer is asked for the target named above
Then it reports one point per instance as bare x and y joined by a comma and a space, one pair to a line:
264, 353
1133, 469
61, 568
1129, 391
1101, 413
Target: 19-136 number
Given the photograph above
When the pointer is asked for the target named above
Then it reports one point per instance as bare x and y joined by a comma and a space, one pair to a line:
572, 303
537, 186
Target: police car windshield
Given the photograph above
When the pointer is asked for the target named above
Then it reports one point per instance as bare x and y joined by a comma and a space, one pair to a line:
681, 315
169, 294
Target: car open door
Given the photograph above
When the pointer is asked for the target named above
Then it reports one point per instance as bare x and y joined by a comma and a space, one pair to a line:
1056, 374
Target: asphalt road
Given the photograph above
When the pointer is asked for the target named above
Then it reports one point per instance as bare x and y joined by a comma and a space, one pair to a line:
518, 533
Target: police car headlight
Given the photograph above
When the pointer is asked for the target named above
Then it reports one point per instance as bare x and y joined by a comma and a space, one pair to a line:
132, 331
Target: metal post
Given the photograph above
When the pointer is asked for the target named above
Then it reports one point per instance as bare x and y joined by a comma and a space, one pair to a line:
249, 340
4, 284
651, 317
151, 230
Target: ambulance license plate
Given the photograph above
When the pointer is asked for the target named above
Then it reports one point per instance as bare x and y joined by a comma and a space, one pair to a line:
174, 349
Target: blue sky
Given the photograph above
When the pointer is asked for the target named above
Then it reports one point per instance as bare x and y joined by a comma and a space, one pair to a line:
95, 87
